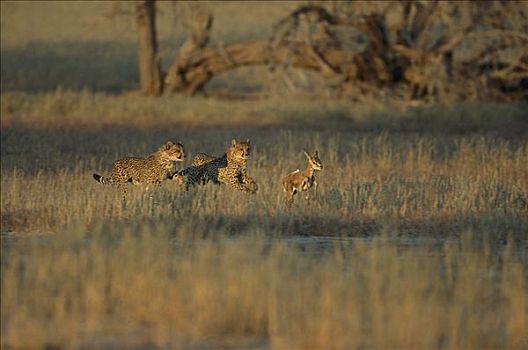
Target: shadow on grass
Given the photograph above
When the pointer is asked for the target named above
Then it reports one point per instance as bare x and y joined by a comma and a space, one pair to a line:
32, 149
38, 67
488, 226
109, 66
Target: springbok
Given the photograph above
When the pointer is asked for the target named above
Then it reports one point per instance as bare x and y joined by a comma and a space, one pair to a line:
302, 180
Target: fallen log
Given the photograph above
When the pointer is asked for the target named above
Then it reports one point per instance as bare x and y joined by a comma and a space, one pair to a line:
195, 71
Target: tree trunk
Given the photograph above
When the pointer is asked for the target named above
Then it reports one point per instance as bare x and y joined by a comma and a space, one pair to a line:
149, 63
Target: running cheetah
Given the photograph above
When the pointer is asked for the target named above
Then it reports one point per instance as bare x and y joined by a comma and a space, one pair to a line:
199, 159
302, 180
231, 168
153, 169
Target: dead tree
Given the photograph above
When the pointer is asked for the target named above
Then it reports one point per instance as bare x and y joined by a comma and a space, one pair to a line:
363, 48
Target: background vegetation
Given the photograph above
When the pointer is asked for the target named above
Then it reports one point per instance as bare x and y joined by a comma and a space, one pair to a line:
417, 238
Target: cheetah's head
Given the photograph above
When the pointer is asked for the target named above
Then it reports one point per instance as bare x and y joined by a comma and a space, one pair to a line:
173, 151
240, 150
314, 160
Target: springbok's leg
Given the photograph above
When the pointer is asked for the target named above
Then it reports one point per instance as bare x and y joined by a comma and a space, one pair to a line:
289, 196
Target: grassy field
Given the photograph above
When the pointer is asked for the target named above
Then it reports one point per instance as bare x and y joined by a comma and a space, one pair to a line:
214, 268
428, 168
417, 238
132, 284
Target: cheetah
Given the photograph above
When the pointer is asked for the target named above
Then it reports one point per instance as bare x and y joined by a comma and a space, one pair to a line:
230, 168
153, 169
199, 159
302, 180
202, 158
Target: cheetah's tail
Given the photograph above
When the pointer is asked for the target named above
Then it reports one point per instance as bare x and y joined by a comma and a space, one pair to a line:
100, 178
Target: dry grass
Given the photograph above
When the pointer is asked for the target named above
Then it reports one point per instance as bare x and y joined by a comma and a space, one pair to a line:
426, 207
62, 109
130, 284
423, 180
216, 268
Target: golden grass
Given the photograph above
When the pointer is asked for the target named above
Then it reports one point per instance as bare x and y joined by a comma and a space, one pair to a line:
61, 109
217, 268
424, 180
427, 207
370, 178
141, 284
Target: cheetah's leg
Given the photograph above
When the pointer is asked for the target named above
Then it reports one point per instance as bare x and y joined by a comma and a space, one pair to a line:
190, 181
123, 187
244, 177
194, 175
251, 183
248, 181
121, 181
240, 186
213, 179
187, 184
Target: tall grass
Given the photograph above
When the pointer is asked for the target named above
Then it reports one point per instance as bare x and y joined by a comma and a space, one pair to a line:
216, 268
144, 285
423, 181
87, 110
427, 207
